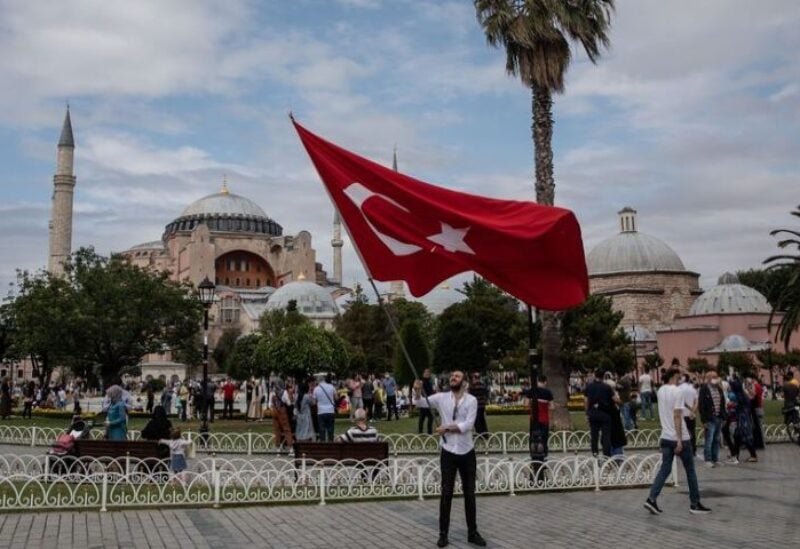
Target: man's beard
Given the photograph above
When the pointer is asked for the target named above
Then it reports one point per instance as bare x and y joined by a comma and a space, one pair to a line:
455, 388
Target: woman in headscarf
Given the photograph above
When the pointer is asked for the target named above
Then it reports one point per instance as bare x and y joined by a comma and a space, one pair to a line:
305, 425
5, 398
743, 429
158, 428
117, 416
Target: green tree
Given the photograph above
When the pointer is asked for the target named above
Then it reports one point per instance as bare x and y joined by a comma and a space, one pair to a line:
7, 328
340, 355
536, 35
742, 363
592, 338
770, 282
125, 312
403, 311
45, 313
503, 327
417, 346
272, 323
787, 297
224, 348
653, 361
459, 345
299, 350
366, 330
190, 352
698, 365
242, 363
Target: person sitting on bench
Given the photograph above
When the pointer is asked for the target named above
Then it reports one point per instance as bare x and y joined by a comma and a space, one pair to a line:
361, 431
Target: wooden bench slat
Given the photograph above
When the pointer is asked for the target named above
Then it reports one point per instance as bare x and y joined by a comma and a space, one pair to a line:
117, 448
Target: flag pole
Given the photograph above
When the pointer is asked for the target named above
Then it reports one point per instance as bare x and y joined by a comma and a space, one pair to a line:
402, 344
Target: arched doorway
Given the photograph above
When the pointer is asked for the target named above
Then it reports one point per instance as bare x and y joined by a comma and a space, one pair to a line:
240, 269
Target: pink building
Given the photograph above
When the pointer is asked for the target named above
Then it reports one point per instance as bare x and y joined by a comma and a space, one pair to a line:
730, 317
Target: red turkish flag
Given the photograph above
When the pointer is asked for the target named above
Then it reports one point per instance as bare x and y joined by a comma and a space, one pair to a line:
405, 229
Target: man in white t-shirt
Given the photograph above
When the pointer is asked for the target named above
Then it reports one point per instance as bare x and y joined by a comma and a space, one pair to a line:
646, 392
690, 409
675, 441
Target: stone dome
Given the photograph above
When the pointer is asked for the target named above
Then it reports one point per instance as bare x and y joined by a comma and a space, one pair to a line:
736, 343
312, 299
441, 297
729, 296
224, 212
631, 251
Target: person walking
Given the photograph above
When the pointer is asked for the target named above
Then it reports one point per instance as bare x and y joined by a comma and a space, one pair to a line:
281, 427
356, 388
5, 398
711, 405
325, 397
304, 430
458, 410
117, 415
367, 396
28, 394
741, 424
254, 410
646, 394
542, 407
150, 399
228, 395
599, 405
183, 398
674, 442
425, 413
755, 391
390, 386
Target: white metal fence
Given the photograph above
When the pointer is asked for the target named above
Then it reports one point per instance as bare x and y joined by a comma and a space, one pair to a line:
252, 443
43, 482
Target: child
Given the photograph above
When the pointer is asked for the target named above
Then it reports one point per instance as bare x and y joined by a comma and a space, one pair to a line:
177, 452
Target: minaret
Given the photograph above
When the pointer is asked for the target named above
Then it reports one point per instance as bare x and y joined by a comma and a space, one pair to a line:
63, 187
337, 244
397, 288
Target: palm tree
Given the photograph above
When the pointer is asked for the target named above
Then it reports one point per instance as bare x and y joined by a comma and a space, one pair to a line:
537, 35
788, 297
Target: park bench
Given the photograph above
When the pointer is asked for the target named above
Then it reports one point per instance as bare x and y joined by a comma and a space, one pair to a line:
369, 457
141, 449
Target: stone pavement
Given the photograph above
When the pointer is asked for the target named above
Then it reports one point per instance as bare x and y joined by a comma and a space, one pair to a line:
755, 505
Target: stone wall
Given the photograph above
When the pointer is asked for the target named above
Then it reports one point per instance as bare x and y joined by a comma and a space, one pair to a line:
648, 299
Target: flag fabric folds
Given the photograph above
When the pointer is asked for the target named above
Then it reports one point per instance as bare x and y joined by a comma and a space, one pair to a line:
406, 229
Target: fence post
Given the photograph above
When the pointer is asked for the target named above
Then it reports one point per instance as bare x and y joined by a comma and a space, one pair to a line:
420, 488
104, 493
127, 466
564, 441
486, 469
675, 472
505, 443
249, 442
216, 477
394, 471
47, 467
33, 436
511, 477
303, 467
322, 485
596, 473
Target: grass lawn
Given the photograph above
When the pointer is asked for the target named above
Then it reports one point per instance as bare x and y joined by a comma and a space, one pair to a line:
496, 423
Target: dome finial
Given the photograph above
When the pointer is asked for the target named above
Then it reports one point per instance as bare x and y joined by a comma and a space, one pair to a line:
224, 189
301, 276
728, 278
627, 220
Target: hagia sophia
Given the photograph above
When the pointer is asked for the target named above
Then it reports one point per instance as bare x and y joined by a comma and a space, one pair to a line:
231, 240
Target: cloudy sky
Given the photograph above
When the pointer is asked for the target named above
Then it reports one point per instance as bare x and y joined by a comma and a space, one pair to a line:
692, 117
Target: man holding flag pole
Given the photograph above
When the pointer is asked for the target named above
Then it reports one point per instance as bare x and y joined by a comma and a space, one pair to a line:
405, 229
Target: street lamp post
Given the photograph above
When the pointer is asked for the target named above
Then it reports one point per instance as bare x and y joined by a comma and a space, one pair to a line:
205, 293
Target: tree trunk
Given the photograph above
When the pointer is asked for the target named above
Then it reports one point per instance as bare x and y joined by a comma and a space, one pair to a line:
542, 128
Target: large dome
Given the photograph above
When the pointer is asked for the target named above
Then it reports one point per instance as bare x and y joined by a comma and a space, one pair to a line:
631, 251
312, 299
224, 203
224, 212
729, 296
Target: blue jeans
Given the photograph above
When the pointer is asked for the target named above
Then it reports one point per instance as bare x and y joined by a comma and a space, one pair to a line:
711, 446
647, 405
627, 418
667, 455
326, 427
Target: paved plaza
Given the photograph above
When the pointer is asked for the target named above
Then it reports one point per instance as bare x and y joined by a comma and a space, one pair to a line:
755, 505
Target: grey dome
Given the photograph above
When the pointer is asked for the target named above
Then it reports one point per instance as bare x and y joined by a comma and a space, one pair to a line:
729, 296
154, 245
441, 297
312, 299
736, 343
224, 212
632, 251
224, 203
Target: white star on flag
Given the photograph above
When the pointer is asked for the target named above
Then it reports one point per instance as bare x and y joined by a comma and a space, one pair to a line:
452, 239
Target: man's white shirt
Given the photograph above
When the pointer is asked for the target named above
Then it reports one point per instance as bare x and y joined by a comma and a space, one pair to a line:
671, 398
461, 442
689, 397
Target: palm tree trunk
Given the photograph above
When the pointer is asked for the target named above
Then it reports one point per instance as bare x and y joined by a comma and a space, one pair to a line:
545, 186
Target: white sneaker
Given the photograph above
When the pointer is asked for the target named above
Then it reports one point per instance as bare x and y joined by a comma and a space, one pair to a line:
733, 461
709, 465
